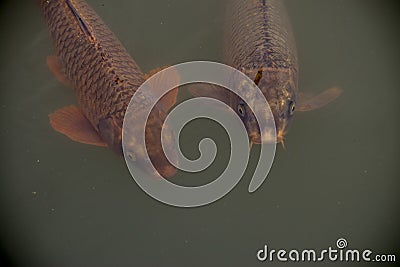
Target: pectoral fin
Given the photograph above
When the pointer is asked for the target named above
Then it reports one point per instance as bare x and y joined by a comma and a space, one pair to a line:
311, 103
56, 68
71, 122
169, 99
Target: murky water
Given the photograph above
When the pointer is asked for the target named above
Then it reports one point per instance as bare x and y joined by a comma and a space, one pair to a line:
68, 204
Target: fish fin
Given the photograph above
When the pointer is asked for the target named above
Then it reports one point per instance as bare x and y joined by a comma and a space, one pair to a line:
209, 90
71, 122
85, 27
318, 101
55, 66
154, 71
169, 99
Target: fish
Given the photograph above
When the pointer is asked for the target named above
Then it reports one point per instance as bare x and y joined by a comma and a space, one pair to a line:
258, 41
90, 58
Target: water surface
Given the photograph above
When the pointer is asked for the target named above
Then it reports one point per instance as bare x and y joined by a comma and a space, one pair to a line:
68, 204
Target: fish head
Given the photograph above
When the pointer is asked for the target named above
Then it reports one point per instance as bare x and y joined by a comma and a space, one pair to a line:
133, 144
279, 88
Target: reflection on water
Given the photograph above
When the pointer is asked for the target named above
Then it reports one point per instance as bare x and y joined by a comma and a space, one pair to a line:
68, 204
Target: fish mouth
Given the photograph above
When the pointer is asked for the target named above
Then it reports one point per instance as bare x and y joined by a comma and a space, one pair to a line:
280, 138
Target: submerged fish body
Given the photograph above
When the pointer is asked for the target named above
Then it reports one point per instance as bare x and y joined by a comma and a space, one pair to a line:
104, 77
259, 42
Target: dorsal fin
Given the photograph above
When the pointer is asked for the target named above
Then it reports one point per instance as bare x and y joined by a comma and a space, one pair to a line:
82, 23
258, 76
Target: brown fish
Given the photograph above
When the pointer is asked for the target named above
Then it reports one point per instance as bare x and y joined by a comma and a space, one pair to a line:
104, 77
258, 41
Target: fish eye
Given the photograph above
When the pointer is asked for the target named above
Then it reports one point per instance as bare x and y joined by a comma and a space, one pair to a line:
292, 107
241, 110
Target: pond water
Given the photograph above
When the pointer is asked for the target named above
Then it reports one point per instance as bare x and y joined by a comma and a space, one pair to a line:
68, 204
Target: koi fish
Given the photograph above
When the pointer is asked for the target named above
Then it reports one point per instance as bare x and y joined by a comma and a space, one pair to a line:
258, 41
104, 77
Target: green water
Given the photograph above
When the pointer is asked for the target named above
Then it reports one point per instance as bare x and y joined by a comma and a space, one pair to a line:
67, 204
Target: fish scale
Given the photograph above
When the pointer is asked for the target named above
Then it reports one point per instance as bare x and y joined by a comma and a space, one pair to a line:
258, 34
